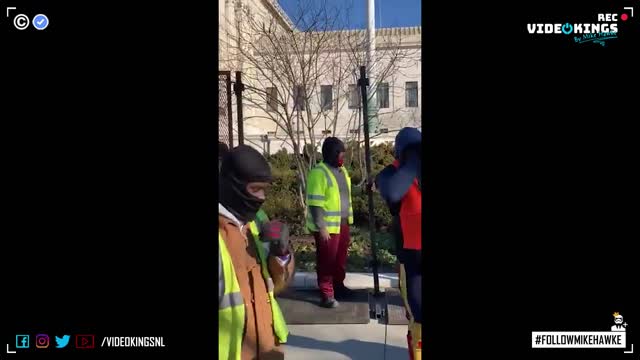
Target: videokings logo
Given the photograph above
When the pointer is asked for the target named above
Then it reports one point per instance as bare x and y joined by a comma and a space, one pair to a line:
604, 28
616, 338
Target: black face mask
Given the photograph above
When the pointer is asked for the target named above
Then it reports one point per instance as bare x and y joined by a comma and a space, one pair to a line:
331, 149
234, 197
241, 166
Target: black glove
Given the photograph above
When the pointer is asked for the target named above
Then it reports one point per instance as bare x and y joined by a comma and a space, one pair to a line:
276, 233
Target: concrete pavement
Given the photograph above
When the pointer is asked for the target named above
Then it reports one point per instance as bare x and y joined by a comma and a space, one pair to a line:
372, 341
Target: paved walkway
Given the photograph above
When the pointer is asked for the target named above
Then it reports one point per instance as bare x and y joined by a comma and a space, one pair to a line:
372, 341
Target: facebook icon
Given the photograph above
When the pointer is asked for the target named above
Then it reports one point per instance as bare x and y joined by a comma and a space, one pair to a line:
22, 341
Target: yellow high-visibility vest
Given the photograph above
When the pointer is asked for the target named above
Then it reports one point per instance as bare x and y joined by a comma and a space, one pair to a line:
231, 309
323, 191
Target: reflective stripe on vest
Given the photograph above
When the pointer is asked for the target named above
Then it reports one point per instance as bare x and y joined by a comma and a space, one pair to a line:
279, 324
329, 201
411, 216
230, 299
231, 309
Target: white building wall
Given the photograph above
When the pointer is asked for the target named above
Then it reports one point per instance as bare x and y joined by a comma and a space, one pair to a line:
394, 118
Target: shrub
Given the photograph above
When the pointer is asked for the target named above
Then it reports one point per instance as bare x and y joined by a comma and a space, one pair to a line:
360, 250
283, 203
359, 254
283, 200
381, 156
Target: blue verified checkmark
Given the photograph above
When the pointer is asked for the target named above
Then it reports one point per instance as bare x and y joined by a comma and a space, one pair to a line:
40, 21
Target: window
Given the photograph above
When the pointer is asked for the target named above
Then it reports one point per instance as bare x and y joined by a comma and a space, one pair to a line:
382, 92
411, 94
272, 99
298, 98
354, 97
326, 97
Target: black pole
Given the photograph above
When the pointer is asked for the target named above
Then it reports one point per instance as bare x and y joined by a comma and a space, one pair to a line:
239, 88
363, 83
229, 109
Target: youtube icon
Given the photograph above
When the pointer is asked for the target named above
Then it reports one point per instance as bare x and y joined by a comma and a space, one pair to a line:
85, 341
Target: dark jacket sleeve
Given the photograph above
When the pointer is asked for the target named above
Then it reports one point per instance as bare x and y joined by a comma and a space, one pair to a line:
317, 214
394, 183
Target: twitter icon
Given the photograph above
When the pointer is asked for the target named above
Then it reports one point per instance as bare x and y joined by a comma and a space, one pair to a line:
63, 341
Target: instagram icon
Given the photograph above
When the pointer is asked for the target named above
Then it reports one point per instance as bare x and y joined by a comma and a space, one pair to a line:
42, 341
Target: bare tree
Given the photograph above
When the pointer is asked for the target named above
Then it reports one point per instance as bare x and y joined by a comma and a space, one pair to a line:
390, 61
285, 68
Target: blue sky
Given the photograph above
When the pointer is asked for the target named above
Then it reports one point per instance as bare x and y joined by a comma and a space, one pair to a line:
389, 13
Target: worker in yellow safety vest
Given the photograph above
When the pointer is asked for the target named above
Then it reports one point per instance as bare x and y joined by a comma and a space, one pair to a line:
251, 325
329, 215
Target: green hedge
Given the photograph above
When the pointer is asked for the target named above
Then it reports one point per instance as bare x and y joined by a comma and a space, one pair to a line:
359, 254
283, 200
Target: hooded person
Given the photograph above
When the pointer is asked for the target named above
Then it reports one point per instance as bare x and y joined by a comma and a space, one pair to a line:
400, 185
251, 325
329, 215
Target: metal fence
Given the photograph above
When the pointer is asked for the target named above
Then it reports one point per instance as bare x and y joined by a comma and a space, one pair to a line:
225, 114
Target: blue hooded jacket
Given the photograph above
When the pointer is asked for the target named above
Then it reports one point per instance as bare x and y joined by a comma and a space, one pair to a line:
406, 137
394, 183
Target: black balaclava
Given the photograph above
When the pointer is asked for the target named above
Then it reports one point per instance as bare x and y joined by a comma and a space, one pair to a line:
241, 166
331, 148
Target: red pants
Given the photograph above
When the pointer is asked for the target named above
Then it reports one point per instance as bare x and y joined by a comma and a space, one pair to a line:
331, 260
